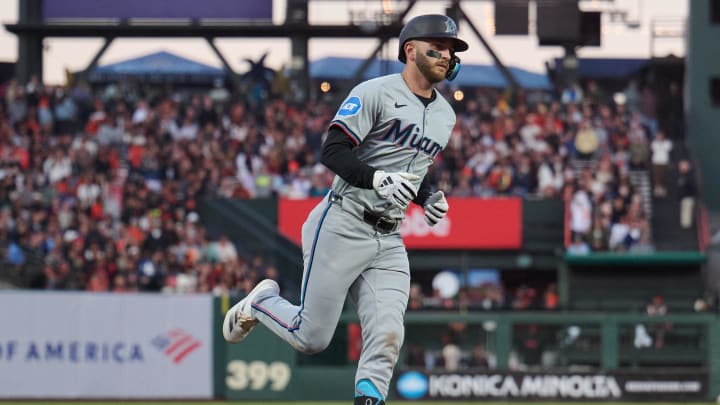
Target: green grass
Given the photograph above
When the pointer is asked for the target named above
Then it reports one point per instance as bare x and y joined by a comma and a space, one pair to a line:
337, 403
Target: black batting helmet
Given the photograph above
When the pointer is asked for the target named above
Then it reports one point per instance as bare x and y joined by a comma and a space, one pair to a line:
430, 26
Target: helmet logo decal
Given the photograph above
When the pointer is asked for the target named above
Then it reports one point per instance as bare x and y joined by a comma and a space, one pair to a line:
450, 26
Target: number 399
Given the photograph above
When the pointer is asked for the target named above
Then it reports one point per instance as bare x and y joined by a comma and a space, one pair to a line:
256, 375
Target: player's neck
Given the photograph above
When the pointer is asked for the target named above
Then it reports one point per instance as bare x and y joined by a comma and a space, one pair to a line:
417, 83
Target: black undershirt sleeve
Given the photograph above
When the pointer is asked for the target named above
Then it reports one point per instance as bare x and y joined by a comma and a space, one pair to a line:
424, 192
425, 189
338, 156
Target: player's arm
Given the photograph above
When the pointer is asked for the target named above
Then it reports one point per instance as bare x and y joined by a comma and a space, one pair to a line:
338, 156
423, 192
435, 204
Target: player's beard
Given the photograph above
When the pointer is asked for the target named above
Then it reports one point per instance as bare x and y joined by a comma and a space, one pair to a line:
428, 67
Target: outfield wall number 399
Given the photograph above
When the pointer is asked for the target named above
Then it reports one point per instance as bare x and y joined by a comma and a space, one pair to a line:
257, 375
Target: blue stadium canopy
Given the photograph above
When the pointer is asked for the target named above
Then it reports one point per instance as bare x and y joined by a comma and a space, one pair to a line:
158, 67
605, 68
334, 68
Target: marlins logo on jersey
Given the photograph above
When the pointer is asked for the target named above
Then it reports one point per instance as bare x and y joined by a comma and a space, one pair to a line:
410, 137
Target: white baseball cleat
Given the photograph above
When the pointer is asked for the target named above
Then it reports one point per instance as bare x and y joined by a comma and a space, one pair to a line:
239, 320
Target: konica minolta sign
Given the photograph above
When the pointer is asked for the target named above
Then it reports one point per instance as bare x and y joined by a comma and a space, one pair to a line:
414, 385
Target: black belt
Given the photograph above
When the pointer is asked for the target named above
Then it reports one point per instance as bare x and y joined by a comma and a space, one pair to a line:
378, 222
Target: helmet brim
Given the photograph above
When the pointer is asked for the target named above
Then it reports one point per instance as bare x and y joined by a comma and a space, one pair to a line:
460, 45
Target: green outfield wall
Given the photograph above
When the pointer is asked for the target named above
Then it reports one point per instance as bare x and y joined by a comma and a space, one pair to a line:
265, 368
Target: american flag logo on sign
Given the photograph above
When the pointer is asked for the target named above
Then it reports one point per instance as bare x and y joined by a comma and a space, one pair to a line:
176, 344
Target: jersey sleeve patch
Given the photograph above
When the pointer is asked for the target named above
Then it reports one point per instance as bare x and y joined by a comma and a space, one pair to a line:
350, 107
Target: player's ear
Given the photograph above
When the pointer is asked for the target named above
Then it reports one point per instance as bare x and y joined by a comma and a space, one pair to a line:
410, 48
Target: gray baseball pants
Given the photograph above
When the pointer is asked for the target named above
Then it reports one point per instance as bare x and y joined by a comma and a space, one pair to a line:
344, 254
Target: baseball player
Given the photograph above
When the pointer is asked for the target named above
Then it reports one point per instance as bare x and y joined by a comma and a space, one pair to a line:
384, 136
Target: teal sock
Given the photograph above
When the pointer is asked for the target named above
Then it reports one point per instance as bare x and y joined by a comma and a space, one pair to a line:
365, 388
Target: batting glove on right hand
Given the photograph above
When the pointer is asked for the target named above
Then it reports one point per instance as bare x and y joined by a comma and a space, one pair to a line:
396, 187
436, 207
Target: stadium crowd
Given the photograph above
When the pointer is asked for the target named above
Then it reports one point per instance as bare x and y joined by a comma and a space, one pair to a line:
100, 187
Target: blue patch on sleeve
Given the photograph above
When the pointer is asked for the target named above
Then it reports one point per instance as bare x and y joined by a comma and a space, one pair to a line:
350, 107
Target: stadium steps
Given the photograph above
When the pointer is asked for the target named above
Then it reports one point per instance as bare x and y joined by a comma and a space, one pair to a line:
578, 165
640, 179
668, 234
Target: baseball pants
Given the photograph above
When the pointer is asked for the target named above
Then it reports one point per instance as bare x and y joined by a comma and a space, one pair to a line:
342, 254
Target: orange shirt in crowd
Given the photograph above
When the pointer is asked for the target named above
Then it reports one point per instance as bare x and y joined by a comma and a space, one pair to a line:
552, 300
136, 154
136, 234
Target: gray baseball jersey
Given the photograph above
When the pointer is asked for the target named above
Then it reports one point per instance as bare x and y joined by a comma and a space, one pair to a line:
342, 253
394, 132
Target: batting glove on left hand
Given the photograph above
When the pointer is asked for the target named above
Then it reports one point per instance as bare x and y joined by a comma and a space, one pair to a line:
436, 207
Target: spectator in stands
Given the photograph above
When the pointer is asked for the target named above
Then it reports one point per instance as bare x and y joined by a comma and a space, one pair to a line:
551, 298
578, 246
550, 174
705, 303
491, 297
319, 183
657, 331
648, 107
478, 358
155, 154
632, 96
415, 356
671, 111
451, 354
525, 298
415, 301
581, 211
595, 95
639, 148
661, 148
58, 166
225, 250
686, 193
530, 345
572, 94
630, 233
641, 338
586, 141
451, 345
638, 224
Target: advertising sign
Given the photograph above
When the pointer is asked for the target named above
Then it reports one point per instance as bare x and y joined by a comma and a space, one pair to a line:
471, 223
500, 386
264, 368
83, 345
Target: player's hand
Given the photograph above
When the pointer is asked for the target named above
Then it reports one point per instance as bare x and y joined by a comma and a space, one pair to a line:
396, 187
436, 207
